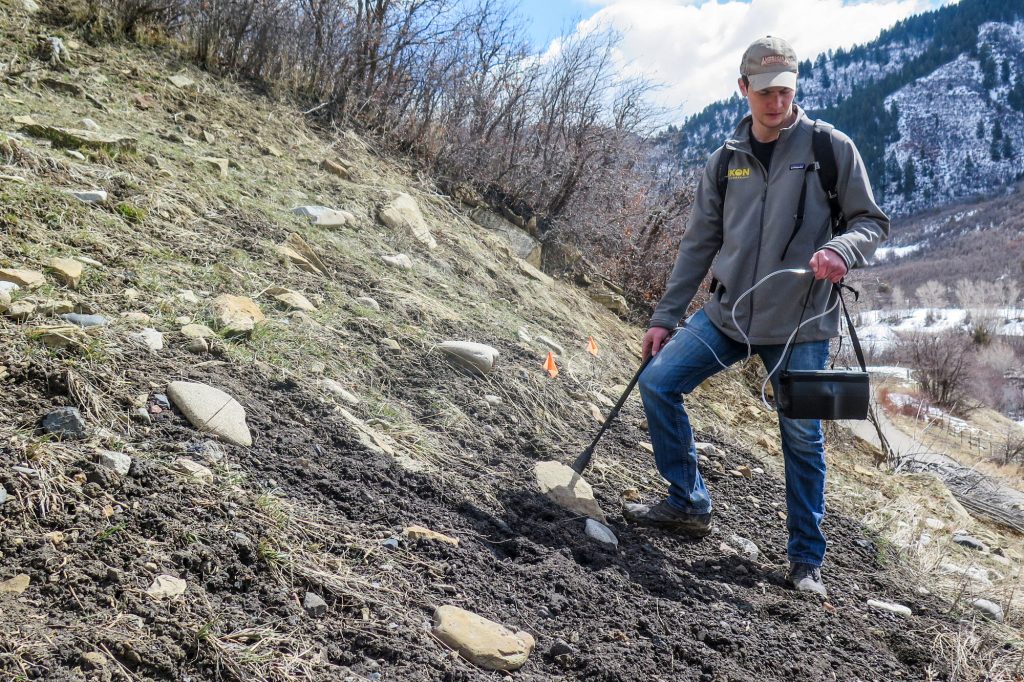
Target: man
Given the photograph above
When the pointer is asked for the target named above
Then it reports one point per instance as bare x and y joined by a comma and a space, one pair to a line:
753, 230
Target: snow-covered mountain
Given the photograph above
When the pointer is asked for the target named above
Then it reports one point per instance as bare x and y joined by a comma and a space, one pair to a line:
935, 105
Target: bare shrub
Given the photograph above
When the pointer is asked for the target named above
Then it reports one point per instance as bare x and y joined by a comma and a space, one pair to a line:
942, 366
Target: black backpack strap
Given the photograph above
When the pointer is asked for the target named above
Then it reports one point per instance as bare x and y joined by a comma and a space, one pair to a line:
828, 173
722, 182
722, 174
849, 323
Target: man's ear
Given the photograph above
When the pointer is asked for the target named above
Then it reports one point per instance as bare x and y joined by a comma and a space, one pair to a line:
743, 88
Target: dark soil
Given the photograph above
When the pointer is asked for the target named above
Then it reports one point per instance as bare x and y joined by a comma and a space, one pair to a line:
657, 609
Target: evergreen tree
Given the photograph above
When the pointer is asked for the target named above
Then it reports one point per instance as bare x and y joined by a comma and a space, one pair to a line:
1007, 148
980, 132
909, 177
988, 67
969, 166
1005, 72
993, 150
997, 130
1016, 96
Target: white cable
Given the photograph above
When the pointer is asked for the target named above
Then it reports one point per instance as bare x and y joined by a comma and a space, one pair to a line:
746, 339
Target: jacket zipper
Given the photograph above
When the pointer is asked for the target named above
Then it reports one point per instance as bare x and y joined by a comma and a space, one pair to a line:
760, 236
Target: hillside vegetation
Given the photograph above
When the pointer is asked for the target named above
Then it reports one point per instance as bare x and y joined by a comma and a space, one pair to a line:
232, 446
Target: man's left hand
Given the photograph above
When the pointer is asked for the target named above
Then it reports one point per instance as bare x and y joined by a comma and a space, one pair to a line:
827, 264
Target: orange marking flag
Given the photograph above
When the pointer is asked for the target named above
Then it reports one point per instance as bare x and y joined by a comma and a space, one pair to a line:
550, 366
591, 346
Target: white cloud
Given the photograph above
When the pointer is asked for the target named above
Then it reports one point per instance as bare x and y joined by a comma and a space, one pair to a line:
693, 47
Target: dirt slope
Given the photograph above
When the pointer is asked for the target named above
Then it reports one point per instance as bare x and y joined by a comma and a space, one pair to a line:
327, 480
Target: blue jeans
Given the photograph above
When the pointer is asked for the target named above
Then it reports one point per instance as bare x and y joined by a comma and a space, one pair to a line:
678, 368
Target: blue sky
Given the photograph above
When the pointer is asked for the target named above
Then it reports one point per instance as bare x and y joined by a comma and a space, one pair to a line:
549, 18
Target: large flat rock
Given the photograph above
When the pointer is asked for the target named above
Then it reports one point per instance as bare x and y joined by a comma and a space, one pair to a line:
82, 139
567, 489
471, 357
404, 214
481, 641
211, 409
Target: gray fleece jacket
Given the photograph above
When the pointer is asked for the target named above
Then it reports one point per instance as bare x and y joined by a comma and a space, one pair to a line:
750, 240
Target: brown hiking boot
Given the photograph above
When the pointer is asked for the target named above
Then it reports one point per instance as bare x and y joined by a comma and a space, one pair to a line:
665, 516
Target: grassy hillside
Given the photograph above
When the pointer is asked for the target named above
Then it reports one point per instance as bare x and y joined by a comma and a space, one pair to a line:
295, 549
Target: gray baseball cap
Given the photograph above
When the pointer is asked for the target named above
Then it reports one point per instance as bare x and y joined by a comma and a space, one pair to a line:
769, 63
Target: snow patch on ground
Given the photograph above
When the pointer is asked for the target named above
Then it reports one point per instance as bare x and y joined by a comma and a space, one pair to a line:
886, 253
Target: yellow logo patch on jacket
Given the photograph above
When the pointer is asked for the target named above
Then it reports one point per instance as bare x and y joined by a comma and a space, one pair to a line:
738, 173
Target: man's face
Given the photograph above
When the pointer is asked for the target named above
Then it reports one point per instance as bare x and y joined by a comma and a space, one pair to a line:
772, 107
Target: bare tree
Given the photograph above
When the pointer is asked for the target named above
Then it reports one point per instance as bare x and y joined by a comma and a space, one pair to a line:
932, 294
941, 364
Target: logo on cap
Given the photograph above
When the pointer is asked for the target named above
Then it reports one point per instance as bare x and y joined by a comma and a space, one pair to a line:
773, 59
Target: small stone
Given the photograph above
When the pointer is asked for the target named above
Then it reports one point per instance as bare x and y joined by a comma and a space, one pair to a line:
150, 338
30, 279
94, 660
401, 261
194, 469
217, 164
237, 314
166, 587
390, 543
89, 124
208, 137
65, 422
390, 344
75, 154
708, 449
292, 300
197, 331
198, 346
209, 450
118, 461
421, 533
324, 217
85, 320
314, 604
188, 296
482, 642
988, 609
3, 495
523, 335
180, 80
969, 542
368, 302
474, 358
19, 311
270, 150
898, 609
93, 196
340, 391
744, 546
551, 345
136, 318
335, 168
493, 400
745, 471
153, 160
601, 534
567, 489
15, 585
934, 524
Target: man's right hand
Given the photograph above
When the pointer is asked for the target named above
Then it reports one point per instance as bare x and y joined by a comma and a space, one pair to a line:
654, 340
